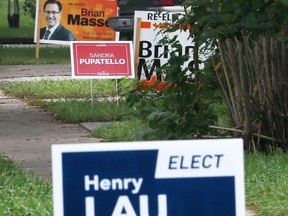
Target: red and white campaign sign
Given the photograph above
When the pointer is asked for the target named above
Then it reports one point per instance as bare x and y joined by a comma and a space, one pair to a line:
102, 60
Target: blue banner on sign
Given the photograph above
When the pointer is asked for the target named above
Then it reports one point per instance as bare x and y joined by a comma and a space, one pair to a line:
123, 183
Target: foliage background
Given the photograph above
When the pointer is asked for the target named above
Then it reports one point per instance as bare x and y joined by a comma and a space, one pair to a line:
222, 27
26, 27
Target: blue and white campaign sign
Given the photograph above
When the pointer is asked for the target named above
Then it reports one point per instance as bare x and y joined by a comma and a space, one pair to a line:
177, 178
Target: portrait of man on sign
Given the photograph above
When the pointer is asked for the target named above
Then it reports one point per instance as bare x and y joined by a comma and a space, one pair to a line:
54, 30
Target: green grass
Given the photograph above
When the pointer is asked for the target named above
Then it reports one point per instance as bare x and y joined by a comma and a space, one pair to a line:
266, 176
267, 183
222, 110
75, 105
66, 89
22, 194
74, 111
10, 55
26, 26
124, 131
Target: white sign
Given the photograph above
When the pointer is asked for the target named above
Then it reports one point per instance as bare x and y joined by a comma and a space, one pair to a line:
150, 52
191, 177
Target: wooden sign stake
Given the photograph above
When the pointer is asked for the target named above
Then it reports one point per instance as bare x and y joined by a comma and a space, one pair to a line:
38, 35
136, 48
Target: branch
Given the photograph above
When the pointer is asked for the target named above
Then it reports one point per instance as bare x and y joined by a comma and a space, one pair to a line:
241, 131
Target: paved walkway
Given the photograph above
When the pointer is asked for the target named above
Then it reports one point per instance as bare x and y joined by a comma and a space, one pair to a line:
20, 71
27, 133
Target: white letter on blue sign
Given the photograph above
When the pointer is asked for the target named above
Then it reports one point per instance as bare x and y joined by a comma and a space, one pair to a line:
89, 182
162, 205
181, 162
89, 206
123, 205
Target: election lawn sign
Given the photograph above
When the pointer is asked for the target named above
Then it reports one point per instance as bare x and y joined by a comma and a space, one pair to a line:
101, 59
153, 55
191, 177
87, 20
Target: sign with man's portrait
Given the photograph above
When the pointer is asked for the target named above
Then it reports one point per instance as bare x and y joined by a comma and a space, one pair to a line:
62, 21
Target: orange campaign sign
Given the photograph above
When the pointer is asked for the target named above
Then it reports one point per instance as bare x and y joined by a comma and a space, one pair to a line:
70, 20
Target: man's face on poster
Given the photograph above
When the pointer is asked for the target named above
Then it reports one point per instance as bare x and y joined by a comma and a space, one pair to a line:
52, 15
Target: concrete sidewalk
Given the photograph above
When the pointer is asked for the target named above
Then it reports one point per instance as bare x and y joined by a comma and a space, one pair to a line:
27, 133
20, 71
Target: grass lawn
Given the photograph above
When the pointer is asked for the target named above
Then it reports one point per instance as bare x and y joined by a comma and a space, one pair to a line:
26, 55
21, 193
266, 176
26, 26
266, 182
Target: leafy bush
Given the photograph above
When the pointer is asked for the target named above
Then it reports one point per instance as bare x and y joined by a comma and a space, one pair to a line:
181, 110
226, 19
21, 193
250, 43
29, 7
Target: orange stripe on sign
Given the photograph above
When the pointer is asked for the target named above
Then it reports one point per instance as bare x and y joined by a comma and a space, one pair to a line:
145, 24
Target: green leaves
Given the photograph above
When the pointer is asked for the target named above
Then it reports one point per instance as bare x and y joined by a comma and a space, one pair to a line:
181, 111
284, 2
21, 193
224, 18
184, 109
29, 7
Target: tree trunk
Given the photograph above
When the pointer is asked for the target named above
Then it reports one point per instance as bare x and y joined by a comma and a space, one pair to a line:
16, 15
255, 82
9, 17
